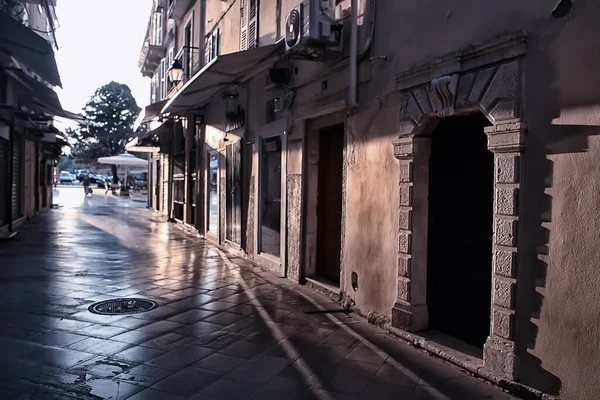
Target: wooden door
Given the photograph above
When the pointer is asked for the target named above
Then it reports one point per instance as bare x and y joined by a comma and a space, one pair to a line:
329, 203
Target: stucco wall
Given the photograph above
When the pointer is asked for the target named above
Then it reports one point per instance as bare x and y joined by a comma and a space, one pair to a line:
371, 196
558, 324
557, 312
227, 19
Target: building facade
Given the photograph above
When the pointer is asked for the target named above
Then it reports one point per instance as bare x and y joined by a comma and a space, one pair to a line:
432, 165
29, 142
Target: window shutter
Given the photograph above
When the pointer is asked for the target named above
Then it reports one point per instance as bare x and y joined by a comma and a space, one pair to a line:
208, 49
160, 30
253, 24
244, 24
215, 44
163, 75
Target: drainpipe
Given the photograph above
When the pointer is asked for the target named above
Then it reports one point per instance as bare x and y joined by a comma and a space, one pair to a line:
278, 19
202, 31
352, 88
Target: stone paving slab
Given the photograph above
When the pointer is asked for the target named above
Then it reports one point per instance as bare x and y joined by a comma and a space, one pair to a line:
224, 329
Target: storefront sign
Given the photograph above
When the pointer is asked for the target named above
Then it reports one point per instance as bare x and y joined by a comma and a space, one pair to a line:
235, 119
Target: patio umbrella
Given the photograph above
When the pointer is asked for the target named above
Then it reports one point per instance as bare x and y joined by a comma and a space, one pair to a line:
127, 160
124, 159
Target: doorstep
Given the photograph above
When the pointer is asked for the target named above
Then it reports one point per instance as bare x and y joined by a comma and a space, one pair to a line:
6, 235
444, 346
324, 287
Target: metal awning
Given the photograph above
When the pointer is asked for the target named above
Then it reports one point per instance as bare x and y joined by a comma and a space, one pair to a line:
28, 48
149, 113
147, 142
42, 98
225, 70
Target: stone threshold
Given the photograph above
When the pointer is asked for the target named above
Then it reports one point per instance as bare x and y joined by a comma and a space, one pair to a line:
6, 235
467, 362
187, 228
325, 288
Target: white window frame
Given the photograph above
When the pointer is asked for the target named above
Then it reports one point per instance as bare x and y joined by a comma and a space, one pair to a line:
171, 57
163, 80
249, 10
157, 29
212, 50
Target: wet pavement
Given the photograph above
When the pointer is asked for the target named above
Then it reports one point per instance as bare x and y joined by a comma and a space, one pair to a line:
224, 329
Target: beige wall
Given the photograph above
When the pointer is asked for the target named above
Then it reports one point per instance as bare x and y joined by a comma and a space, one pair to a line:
561, 191
225, 16
371, 225
557, 311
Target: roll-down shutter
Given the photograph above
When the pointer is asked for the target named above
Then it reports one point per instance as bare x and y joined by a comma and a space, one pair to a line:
17, 177
3, 181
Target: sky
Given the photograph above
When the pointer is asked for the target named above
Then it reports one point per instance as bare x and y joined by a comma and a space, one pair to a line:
100, 42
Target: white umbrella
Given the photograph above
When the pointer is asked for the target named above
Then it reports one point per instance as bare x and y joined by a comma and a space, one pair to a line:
125, 159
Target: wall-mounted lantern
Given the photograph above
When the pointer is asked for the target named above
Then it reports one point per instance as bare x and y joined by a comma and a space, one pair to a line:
175, 73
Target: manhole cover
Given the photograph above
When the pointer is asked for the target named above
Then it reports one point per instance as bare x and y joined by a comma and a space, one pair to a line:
122, 306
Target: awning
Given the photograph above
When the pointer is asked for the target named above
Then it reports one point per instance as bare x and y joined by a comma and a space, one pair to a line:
149, 113
43, 99
225, 70
148, 142
28, 48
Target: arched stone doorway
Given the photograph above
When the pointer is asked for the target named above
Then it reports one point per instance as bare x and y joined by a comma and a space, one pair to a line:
487, 79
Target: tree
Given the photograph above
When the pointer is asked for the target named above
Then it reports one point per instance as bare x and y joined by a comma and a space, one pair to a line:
14, 8
110, 114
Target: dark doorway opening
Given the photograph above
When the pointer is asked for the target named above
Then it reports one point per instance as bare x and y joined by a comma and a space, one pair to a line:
270, 193
329, 203
158, 179
38, 174
461, 198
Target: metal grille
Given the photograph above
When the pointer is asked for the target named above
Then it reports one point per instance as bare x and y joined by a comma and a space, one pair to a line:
17, 177
3, 181
122, 306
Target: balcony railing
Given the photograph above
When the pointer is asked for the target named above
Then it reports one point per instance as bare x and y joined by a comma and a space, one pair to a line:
150, 58
190, 60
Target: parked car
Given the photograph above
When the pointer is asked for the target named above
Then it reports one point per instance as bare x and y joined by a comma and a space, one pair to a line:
66, 177
93, 178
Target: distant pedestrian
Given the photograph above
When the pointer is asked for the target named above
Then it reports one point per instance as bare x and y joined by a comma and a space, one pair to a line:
86, 184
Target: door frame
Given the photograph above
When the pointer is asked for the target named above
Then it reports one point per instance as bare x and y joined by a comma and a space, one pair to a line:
491, 82
308, 250
236, 246
276, 264
208, 233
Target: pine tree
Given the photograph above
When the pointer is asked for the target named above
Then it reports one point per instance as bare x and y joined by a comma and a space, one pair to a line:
110, 114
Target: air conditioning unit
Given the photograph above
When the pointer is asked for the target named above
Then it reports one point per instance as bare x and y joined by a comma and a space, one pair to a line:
310, 28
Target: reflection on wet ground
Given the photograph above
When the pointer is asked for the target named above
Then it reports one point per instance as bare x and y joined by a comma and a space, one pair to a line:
224, 329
